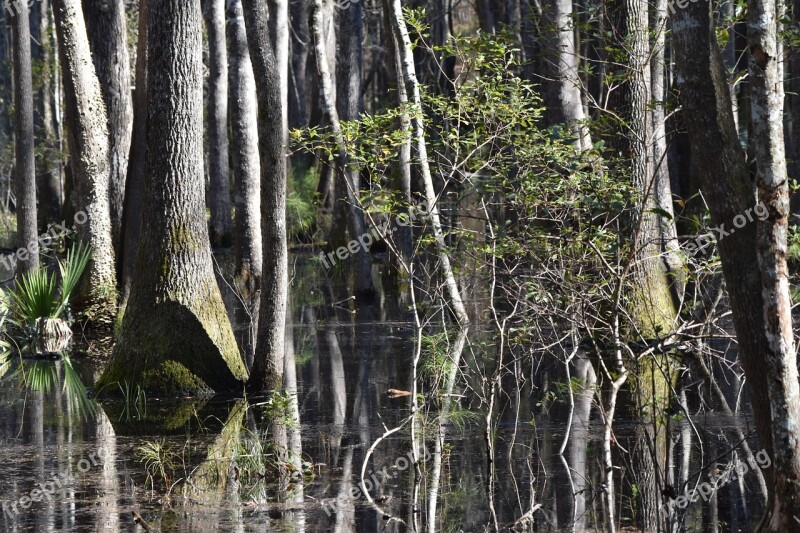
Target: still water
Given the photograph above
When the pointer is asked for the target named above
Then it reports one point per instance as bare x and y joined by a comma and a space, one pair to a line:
72, 463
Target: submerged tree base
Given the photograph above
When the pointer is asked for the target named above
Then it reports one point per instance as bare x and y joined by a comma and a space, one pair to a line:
174, 351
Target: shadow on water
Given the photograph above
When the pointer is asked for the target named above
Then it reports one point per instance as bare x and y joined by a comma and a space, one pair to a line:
294, 461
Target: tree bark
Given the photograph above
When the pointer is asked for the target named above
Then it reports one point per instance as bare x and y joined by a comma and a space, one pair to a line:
219, 189
48, 177
108, 40
766, 112
268, 363
88, 147
175, 337
400, 30
563, 84
134, 181
718, 157
24, 160
246, 168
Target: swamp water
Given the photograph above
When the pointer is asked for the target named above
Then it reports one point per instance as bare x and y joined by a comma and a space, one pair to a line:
72, 463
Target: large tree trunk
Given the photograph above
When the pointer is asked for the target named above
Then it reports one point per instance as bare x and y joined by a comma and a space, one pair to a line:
563, 84
175, 337
766, 105
108, 39
24, 161
717, 156
219, 188
134, 182
246, 169
268, 363
88, 148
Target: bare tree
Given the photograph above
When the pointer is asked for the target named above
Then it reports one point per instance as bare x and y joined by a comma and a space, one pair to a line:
24, 164
766, 113
246, 168
219, 189
268, 364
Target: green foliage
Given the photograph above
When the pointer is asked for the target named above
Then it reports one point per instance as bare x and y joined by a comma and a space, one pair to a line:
35, 293
301, 202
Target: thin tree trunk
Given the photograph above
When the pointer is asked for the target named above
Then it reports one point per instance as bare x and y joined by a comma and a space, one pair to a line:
24, 160
300, 45
268, 363
175, 337
48, 177
355, 218
88, 145
766, 105
108, 39
134, 181
395, 8
219, 188
246, 169
563, 85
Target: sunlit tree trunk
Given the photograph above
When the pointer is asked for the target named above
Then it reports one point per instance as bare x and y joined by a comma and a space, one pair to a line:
175, 337
563, 84
347, 198
24, 161
108, 39
268, 362
88, 147
219, 189
246, 168
766, 112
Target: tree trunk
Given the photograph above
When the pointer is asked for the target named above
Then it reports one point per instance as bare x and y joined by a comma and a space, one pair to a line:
400, 30
175, 337
346, 189
662, 189
108, 40
246, 168
766, 112
268, 363
48, 177
718, 157
219, 188
6, 96
24, 161
88, 145
134, 181
563, 85
300, 44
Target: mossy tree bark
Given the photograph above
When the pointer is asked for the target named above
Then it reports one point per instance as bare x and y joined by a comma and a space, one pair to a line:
88, 148
268, 362
176, 338
24, 160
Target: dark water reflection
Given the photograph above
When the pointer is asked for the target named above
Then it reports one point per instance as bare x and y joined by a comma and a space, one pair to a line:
84, 453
